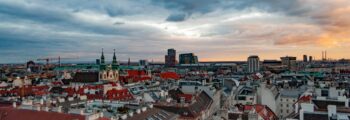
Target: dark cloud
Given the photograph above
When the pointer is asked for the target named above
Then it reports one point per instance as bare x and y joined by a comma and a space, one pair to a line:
59, 18
190, 7
176, 17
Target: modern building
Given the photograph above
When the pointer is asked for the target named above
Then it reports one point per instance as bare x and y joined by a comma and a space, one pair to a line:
310, 58
170, 58
253, 64
188, 58
304, 58
290, 62
143, 63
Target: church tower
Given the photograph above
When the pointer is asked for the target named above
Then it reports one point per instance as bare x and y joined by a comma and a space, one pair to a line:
102, 65
115, 65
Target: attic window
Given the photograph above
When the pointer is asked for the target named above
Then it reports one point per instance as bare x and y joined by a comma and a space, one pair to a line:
185, 113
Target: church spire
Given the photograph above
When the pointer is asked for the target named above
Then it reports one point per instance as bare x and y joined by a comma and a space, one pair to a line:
115, 65
102, 57
114, 58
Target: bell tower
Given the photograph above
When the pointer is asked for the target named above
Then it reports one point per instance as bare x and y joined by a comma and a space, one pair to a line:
115, 65
102, 65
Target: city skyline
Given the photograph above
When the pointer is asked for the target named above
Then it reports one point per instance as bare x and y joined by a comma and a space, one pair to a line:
214, 30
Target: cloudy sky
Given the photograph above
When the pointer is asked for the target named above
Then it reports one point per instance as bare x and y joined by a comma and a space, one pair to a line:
144, 29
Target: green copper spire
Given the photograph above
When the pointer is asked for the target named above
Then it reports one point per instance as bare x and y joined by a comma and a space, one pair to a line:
102, 65
114, 58
115, 65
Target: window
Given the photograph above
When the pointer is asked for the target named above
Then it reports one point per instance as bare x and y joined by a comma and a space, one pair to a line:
294, 100
287, 105
324, 93
281, 105
287, 111
241, 98
281, 111
281, 99
287, 99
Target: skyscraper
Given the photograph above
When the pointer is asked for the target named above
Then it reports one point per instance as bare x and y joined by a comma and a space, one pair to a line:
304, 58
170, 58
188, 58
253, 64
310, 58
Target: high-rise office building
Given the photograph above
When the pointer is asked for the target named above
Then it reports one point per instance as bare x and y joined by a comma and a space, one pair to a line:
170, 58
253, 64
304, 58
188, 58
143, 63
310, 58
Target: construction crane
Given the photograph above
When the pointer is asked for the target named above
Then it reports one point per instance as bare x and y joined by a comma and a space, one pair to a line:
48, 59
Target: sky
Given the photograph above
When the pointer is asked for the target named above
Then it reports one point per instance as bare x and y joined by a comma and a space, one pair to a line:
215, 30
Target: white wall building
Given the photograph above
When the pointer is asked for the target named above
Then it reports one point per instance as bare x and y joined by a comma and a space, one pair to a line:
253, 64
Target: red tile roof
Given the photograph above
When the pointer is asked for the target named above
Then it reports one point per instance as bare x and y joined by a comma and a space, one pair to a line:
169, 75
188, 97
9, 113
122, 94
304, 99
265, 112
134, 76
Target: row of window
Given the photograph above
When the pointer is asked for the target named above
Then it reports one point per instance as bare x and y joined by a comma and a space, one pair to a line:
287, 105
287, 100
287, 111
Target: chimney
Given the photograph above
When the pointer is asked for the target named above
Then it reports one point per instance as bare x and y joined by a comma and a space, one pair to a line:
138, 111
296, 106
307, 107
46, 109
41, 102
131, 114
150, 105
332, 110
301, 114
81, 112
123, 117
143, 109
101, 114
14, 104
38, 108
59, 109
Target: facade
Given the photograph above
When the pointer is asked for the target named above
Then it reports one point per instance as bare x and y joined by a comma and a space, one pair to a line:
170, 58
290, 62
286, 103
246, 96
188, 58
143, 63
109, 73
253, 64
